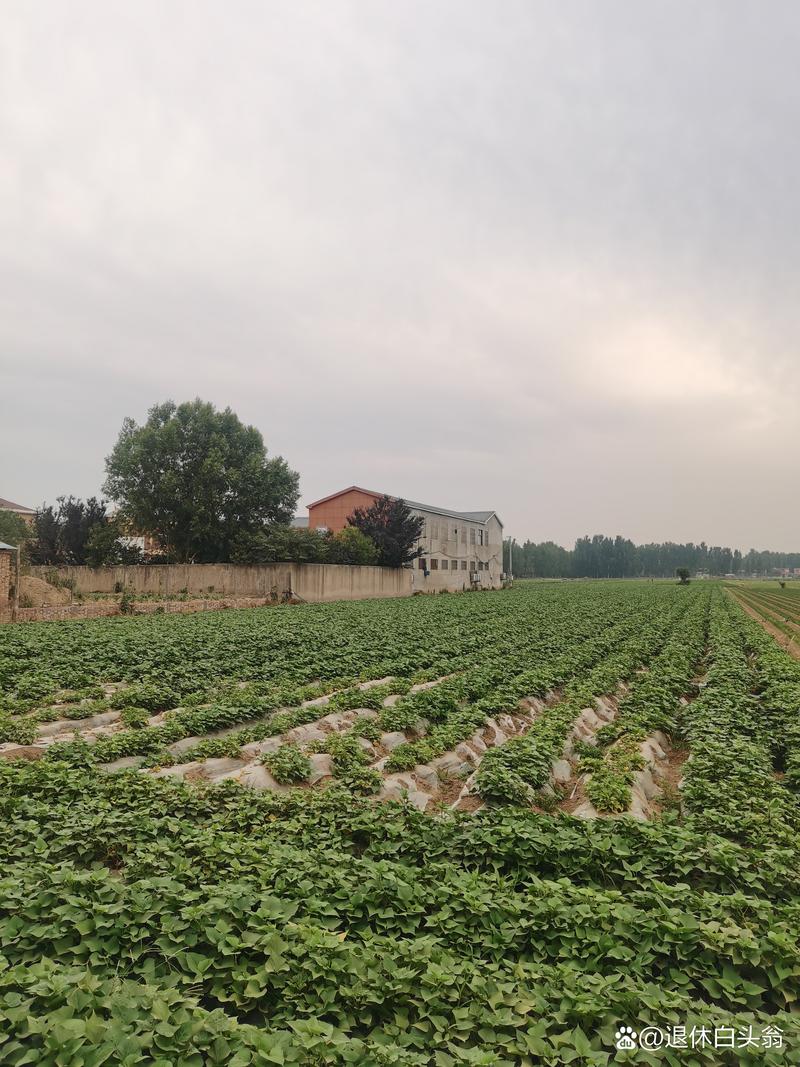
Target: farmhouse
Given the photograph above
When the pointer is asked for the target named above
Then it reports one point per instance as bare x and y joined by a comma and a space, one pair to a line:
461, 549
28, 514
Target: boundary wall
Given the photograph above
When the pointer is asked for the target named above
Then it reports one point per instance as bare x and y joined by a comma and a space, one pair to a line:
311, 582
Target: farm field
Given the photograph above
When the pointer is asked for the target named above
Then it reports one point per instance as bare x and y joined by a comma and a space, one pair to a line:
488, 828
777, 609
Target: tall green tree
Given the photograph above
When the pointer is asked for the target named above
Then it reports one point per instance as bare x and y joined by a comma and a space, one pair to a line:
61, 533
197, 478
394, 530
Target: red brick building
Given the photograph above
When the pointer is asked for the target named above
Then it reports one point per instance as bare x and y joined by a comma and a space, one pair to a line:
332, 512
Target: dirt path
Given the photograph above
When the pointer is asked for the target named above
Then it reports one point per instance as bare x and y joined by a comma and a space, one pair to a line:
788, 644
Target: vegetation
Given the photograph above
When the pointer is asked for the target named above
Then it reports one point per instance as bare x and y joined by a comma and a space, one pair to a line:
62, 534
287, 544
196, 478
13, 529
144, 920
391, 527
618, 557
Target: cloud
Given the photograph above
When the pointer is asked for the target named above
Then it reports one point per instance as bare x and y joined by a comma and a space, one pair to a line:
541, 259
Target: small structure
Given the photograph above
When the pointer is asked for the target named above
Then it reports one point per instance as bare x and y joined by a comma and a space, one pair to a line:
9, 563
461, 549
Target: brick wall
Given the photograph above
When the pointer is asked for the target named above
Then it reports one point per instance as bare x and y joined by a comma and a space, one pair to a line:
333, 514
98, 609
5, 579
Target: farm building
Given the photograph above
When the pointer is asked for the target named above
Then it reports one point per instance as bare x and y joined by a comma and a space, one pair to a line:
28, 514
461, 549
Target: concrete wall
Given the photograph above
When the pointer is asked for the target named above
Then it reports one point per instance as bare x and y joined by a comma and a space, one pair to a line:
313, 582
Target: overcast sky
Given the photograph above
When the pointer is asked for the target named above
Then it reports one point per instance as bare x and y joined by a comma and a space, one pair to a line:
541, 257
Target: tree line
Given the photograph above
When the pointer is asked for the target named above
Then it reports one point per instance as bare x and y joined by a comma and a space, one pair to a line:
618, 557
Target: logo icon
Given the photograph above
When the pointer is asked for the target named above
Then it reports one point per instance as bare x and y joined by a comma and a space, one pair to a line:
625, 1038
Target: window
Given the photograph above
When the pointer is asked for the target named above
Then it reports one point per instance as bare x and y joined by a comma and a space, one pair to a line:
463, 564
434, 564
486, 536
472, 565
421, 563
480, 537
472, 535
463, 535
444, 564
455, 533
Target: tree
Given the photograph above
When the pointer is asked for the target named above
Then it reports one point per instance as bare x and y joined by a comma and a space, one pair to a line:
682, 573
107, 546
280, 544
390, 525
352, 545
197, 478
62, 533
14, 530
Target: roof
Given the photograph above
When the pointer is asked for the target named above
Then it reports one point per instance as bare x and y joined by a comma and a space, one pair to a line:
341, 492
7, 548
470, 516
8, 505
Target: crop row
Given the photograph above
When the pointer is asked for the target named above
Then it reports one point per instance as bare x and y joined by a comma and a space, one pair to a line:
730, 783
511, 772
256, 955
652, 703
460, 704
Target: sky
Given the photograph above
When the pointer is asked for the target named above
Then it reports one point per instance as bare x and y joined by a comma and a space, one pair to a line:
537, 256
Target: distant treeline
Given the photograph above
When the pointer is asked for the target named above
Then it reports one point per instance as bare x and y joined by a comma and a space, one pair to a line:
617, 557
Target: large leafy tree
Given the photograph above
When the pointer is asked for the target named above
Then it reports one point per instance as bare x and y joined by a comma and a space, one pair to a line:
197, 478
391, 526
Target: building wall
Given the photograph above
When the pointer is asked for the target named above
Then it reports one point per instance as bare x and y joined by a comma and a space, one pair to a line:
334, 513
5, 579
474, 548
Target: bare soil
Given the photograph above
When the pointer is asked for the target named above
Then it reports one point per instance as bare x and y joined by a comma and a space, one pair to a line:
38, 592
669, 774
